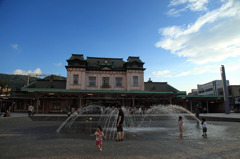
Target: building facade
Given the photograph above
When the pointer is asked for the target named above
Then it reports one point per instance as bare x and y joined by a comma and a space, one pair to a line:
106, 82
211, 88
105, 73
234, 92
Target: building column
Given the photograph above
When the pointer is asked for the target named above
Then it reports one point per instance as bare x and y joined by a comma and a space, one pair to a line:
191, 105
25, 104
80, 100
43, 104
170, 100
37, 104
1, 106
133, 100
207, 106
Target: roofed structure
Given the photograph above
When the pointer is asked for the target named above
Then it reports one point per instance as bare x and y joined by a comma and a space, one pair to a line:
159, 86
105, 81
42, 83
98, 63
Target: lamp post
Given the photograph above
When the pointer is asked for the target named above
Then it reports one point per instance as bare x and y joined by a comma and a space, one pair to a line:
225, 90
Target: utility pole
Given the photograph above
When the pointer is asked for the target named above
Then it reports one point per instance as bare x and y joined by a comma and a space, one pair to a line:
225, 89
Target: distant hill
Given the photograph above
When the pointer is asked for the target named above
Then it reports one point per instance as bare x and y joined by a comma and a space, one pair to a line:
19, 81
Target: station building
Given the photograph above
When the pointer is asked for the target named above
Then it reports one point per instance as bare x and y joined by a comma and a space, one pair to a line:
107, 82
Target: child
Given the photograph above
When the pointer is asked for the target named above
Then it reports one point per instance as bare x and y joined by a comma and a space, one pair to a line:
180, 124
204, 125
99, 134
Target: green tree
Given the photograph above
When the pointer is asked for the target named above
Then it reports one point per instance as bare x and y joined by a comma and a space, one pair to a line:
3, 85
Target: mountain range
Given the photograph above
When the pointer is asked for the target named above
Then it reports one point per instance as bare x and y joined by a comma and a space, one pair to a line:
16, 82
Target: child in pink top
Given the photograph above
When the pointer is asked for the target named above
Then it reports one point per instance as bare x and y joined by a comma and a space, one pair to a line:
99, 135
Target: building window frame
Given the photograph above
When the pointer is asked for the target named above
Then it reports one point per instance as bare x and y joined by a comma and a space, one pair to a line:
105, 82
119, 81
92, 81
135, 80
75, 79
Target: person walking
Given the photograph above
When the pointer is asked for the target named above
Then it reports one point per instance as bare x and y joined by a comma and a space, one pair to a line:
197, 115
120, 119
204, 110
99, 137
30, 110
180, 124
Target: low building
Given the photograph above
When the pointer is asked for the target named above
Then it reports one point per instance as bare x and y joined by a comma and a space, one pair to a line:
193, 92
234, 92
211, 88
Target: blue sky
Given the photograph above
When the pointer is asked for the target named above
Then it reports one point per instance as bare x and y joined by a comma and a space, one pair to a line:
182, 42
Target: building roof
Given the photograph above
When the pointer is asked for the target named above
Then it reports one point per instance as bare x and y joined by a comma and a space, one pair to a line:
51, 84
102, 63
159, 86
203, 96
134, 59
76, 57
96, 63
92, 91
60, 86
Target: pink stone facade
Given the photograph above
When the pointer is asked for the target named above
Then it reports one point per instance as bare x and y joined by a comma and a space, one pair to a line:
127, 77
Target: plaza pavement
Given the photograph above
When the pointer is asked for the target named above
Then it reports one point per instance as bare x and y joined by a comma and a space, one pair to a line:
213, 115
24, 138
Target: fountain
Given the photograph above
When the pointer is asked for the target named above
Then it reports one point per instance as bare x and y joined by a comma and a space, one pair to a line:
160, 118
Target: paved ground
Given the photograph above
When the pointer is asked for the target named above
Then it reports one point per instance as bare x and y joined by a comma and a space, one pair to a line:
20, 137
223, 115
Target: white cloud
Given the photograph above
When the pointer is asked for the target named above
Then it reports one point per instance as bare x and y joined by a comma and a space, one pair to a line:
58, 64
229, 67
29, 72
214, 37
200, 70
197, 5
164, 73
193, 5
14, 46
175, 13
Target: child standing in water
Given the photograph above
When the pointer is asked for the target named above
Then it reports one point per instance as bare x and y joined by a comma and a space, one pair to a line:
180, 124
204, 125
99, 135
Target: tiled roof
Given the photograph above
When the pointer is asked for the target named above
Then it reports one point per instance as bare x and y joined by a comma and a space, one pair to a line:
159, 86
60, 86
54, 84
76, 57
134, 59
101, 63
92, 91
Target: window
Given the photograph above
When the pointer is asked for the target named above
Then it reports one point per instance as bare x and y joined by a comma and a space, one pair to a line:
105, 81
92, 81
118, 81
75, 79
209, 89
135, 80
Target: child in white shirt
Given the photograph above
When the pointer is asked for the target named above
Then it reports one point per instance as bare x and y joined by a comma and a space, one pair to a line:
204, 125
99, 135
